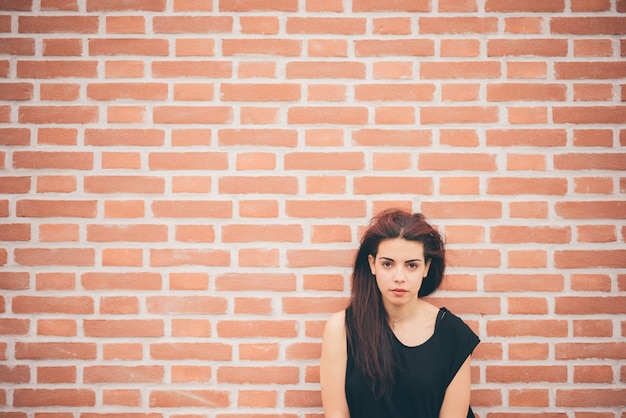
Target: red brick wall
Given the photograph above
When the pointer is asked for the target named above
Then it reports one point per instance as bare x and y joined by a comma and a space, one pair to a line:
184, 183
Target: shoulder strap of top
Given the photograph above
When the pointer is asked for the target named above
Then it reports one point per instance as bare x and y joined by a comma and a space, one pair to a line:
442, 312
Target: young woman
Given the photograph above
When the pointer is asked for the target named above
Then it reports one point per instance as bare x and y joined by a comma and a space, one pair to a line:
391, 354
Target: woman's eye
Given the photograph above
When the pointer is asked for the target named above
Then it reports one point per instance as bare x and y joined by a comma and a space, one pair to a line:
386, 264
412, 266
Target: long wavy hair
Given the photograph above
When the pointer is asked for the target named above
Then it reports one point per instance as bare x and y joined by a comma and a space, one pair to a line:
371, 340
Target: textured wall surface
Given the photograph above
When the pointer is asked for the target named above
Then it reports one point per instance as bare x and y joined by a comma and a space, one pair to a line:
183, 184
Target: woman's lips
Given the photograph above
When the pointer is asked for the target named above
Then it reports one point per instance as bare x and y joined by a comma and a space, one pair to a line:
399, 292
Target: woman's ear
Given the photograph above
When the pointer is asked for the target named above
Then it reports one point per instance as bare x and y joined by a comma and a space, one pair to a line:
427, 266
372, 262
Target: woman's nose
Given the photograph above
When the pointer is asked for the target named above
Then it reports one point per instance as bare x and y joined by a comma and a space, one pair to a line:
398, 275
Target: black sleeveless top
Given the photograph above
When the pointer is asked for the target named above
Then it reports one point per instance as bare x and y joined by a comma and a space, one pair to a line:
425, 372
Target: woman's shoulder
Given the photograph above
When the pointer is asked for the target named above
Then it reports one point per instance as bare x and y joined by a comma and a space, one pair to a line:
336, 322
452, 323
335, 330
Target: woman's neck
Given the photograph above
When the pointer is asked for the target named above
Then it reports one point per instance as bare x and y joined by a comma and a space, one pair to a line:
401, 314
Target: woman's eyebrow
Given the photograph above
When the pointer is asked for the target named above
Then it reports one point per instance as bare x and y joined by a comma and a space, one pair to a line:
407, 261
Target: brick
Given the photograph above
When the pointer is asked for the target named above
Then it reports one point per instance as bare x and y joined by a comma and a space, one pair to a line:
591, 210
590, 114
124, 184
58, 91
590, 397
526, 92
14, 281
188, 398
463, 25
257, 328
396, 185
465, 70
258, 5
535, 328
313, 305
128, 137
55, 305
128, 257
126, 24
124, 5
15, 232
523, 25
121, 397
191, 351
458, 114
19, 374
257, 282
195, 233
124, 209
132, 91
592, 328
394, 92
14, 136
391, 6
326, 25
186, 374
587, 161
58, 114
392, 26
527, 47
56, 375
589, 305
272, 47
55, 351
123, 374
553, 374
521, 282
266, 25
192, 114
182, 68
515, 234
187, 305
192, 209
382, 48
58, 24
12, 326
254, 306
281, 375
18, 46
529, 398
128, 46
51, 69
192, 24
462, 210
53, 397
588, 25
258, 185
522, 186
178, 257
258, 398
57, 136
123, 328
16, 91
53, 160
524, 6
124, 69
126, 233
318, 258
325, 70
55, 256
262, 233
258, 137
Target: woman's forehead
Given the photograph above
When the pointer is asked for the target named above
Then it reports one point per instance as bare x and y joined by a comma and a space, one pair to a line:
399, 248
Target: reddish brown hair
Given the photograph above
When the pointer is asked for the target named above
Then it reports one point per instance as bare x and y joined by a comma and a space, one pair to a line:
370, 338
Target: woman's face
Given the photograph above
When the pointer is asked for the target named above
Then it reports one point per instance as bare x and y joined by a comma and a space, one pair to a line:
399, 268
